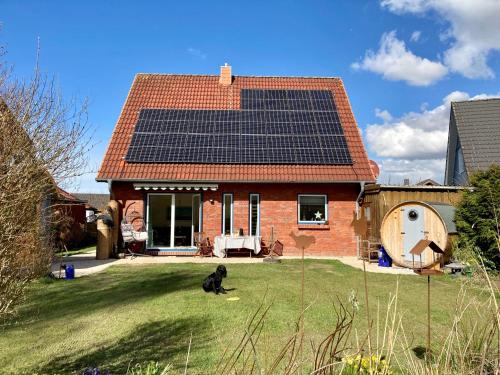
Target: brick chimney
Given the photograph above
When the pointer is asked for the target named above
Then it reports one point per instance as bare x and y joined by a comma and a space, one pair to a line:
225, 78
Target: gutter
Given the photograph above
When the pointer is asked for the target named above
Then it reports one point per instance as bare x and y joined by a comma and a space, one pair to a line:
361, 191
145, 180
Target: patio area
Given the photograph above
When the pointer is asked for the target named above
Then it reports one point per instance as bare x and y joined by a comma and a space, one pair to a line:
86, 264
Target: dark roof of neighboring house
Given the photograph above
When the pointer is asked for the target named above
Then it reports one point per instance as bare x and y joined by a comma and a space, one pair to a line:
64, 197
428, 182
447, 212
478, 127
97, 201
204, 92
375, 188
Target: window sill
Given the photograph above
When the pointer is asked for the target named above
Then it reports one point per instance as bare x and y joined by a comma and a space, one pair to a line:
318, 226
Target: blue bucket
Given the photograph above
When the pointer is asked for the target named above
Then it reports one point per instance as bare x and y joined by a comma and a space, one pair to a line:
384, 260
70, 272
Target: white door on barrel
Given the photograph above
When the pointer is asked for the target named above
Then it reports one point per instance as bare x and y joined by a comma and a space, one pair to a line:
413, 230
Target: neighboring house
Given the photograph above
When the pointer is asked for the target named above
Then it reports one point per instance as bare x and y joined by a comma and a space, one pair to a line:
473, 140
63, 197
96, 203
218, 153
427, 182
69, 217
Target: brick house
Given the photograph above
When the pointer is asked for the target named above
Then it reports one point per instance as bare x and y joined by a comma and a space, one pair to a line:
216, 153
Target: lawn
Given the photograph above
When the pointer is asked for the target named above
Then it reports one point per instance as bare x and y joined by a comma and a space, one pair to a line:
141, 313
83, 250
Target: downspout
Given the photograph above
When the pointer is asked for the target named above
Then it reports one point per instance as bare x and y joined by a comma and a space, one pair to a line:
361, 191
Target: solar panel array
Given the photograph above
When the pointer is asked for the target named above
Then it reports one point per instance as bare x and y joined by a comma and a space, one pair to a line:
272, 127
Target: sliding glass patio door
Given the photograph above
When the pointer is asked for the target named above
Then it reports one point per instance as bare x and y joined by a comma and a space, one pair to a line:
172, 219
159, 220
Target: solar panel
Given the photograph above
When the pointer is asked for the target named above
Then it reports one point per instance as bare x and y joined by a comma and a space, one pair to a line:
272, 127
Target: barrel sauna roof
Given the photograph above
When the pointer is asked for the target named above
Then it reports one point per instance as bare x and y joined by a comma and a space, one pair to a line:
447, 213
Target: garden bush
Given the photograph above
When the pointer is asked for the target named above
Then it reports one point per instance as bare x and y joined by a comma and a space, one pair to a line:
477, 218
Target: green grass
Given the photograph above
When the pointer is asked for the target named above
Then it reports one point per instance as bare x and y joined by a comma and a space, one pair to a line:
83, 250
141, 313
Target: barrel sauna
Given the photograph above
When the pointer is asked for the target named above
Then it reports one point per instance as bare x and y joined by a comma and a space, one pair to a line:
409, 222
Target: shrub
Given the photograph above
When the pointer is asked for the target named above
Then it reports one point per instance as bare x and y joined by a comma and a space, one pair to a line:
478, 215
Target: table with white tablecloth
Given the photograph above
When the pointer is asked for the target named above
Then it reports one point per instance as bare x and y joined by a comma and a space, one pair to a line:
223, 243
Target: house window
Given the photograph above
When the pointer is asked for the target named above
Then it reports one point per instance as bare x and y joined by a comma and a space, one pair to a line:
254, 208
227, 213
312, 208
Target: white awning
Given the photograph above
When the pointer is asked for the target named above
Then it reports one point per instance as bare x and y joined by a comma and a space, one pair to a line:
173, 187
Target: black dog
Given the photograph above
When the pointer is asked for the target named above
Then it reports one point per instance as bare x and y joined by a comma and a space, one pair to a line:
213, 283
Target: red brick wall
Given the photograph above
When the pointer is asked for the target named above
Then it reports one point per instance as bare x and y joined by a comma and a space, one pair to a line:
128, 198
278, 207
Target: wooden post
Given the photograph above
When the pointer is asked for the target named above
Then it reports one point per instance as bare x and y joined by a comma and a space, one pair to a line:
428, 314
367, 309
302, 316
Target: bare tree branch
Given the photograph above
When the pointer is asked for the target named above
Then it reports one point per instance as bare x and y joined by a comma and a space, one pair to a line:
44, 141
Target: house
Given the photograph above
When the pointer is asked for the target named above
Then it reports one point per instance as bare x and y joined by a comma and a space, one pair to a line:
95, 203
216, 153
428, 182
68, 217
473, 139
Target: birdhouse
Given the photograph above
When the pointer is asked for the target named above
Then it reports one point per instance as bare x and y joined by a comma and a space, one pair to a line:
437, 257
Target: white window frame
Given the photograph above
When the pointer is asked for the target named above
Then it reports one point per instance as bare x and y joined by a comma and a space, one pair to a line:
224, 213
172, 220
325, 196
257, 231
200, 211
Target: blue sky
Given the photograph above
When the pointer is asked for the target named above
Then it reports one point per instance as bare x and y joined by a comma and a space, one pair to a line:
402, 61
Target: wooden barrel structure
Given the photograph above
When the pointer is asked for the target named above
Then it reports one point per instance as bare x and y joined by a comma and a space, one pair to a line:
116, 221
104, 240
409, 222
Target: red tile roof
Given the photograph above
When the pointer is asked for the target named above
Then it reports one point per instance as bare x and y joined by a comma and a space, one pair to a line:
205, 92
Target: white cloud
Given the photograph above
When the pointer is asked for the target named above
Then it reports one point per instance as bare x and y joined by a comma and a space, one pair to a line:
394, 171
414, 145
473, 30
395, 62
415, 36
196, 53
399, 140
402, 6
383, 114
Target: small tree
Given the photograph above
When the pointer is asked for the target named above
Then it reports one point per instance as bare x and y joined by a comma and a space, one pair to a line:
43, 142
478, 214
